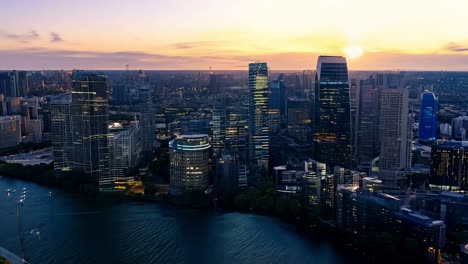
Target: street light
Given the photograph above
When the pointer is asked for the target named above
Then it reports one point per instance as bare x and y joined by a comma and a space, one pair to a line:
20, 229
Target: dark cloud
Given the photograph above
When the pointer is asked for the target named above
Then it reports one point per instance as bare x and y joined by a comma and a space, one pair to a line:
193, 45
55, 37
23, 38
456, 47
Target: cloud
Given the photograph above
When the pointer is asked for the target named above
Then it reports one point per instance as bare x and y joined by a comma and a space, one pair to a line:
23, 38
35, 58
193, 45
452, 46
55, 37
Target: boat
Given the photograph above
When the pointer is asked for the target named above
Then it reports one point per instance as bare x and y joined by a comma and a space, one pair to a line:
10, 257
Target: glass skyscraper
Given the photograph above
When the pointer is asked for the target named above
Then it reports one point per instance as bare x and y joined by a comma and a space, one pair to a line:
258, 115
89, 124
428, 116
332, 126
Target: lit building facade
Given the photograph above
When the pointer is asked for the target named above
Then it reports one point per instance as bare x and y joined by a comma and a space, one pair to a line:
61, 133
449, 165
332, 124
428, 116
189, 163
259, 136
89, 122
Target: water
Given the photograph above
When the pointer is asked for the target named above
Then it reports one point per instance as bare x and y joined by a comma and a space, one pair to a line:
67, 228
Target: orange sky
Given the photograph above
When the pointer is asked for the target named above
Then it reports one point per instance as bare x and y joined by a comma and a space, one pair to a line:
289, 35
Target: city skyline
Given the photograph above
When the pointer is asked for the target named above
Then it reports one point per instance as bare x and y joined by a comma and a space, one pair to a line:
227, 35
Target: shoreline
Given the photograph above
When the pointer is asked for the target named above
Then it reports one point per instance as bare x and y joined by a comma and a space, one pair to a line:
343, 242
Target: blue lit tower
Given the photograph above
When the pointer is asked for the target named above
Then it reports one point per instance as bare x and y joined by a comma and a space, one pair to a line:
428, 116
332, 112
258, 115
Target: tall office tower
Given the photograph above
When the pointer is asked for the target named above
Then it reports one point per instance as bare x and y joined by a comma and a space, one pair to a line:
277, 104
428, 116
89, 118
449, 165
189, 163
61, 133
298, 119
367, 123
395, 128
308, 83
123, 150
332, 124
353, 108
22, 83
278, 95
460, 127
259, 137
9, 84
146, 111
236, 138
219, 126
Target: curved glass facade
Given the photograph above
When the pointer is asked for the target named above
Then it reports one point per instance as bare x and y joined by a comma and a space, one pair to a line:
428, 116
189, 163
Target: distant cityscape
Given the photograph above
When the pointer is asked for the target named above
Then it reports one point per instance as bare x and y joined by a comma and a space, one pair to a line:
375, 156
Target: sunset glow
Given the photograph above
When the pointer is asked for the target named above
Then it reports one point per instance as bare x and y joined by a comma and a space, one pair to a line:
227, 34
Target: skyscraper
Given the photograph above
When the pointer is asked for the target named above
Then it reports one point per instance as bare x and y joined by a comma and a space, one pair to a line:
189, 163
298, 119
278, 95
449, 165
61, 133
146, 111
219, 126
307, 83
428, 116
332, 124
395, 128
367, 122
89, 121
258, 115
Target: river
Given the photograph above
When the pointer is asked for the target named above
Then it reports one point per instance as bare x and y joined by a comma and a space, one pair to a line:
68, 228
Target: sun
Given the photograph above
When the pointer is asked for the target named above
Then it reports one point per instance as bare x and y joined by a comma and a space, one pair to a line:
353, 52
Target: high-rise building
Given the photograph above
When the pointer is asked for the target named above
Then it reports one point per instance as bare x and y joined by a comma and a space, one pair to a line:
449, 165
332, 124
298, 119
61, 133
428, 116
367, 122
219, 126
10, 131
395, 128
278, 95
123, 150
9, 84
146, 111
189, 163
308, 83
89, 121
460, 128
259, 136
